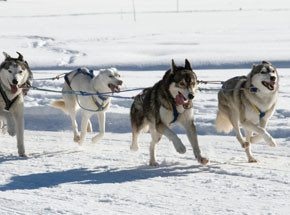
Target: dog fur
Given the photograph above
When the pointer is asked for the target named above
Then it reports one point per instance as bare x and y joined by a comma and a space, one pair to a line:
15, 79
248, 102
155, 107
108, 80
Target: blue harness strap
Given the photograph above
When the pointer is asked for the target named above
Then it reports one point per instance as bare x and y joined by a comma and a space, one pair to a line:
79, 70
175, 114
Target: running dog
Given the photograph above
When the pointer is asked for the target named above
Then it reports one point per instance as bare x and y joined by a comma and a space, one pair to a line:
82, 79
15, 80
249, 102
167, 102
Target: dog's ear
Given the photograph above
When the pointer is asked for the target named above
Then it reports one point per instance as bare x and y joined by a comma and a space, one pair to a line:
6, 55
187, 65
254, 66
173, 66
20, 56
266, 62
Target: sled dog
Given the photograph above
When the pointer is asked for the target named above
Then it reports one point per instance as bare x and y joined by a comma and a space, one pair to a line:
248, 102
15, 80
168, 101
82, 79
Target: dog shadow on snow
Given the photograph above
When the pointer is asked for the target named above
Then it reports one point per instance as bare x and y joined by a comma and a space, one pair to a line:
101, 175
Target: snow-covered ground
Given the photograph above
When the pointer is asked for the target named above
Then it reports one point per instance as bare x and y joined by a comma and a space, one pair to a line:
220, 38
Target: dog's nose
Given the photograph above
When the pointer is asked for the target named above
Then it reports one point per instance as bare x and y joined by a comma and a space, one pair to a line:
273, 78
120, 82
190, 96
14, 81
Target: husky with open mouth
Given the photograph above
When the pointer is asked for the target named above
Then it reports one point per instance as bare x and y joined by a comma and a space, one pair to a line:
248, 102
168, 101
15, 80
82, 79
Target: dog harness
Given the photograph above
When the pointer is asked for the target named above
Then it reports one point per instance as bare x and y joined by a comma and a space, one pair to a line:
254, 89
8, 103
91, 75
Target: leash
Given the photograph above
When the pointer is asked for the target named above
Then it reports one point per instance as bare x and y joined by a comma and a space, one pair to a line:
209, 82
57, 77
83, 93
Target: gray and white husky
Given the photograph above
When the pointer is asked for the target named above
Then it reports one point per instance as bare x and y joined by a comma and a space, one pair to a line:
82, 79
248, 102
15, 80
167, 102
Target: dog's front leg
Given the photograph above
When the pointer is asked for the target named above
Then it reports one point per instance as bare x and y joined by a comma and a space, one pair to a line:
192, 136
258, 137
102, 121
18, 116
260, 131
178, 145
10, 122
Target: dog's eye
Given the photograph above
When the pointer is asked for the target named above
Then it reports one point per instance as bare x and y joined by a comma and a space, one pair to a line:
111, 76
263, 72
182, 84
20, 72
9, 71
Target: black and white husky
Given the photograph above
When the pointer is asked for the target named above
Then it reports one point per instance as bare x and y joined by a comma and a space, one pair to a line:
82, 79
168, 101
15, 79
248, 102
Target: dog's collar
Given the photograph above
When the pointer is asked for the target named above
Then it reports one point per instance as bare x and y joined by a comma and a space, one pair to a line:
8, 102
253, 89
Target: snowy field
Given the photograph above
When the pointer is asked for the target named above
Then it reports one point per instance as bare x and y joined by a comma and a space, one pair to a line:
220, 38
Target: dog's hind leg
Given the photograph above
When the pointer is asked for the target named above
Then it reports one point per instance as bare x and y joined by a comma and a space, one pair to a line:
135, 133
90, 127
72, 114
152, 149
248, 151
235, 122
84, 125
102, 127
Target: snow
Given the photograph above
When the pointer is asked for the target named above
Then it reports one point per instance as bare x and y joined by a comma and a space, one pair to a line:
220, 38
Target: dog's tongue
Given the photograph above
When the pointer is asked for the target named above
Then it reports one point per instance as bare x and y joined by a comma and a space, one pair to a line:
180, 99
14, 88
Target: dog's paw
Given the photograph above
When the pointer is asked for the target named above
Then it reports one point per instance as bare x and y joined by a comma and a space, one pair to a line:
179, 147
203, 160
97, 138
22, 155
77, 138
245, 145
11, 131
272, 142
134, 147
153, 163
252, 160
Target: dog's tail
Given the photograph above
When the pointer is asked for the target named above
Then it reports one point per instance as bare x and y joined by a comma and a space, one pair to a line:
60, 104
223, 123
